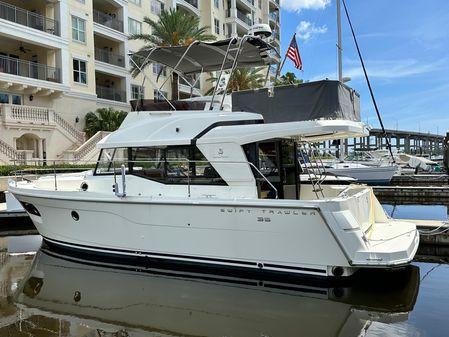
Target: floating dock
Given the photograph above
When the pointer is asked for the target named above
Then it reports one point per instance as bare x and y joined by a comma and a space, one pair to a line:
398, 192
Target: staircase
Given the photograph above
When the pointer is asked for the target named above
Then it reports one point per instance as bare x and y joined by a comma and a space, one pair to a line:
67, 127
86, 153
81, 152
10, 153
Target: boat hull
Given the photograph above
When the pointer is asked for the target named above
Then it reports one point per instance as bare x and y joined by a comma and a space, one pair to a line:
273, 236
371, 175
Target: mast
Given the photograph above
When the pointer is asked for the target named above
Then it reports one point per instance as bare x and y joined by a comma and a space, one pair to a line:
340, 65
340, 70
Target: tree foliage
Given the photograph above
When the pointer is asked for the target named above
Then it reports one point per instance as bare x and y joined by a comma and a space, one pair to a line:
174, 28
287, 79
243, 79
103, 119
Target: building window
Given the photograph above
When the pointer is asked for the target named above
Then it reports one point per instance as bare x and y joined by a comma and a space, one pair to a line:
260, 4
8, 98
137, 91
217, 26
217, 3
136, 2
157, 68
156, 7
134, 26
79, 71
78, 29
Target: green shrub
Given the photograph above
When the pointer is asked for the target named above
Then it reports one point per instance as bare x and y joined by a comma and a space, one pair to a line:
8, 170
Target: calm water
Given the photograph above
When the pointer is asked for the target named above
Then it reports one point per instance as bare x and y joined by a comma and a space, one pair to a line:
46, 294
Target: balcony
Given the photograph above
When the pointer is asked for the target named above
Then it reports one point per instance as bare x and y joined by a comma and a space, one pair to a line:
108, 20
245, 5
27, 18
111, 94
14, 66
273, 18
190, 6
274, 3
23, 114
106, 56
243, 20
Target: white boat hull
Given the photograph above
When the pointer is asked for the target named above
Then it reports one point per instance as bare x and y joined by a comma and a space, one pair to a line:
374, 175
286, 236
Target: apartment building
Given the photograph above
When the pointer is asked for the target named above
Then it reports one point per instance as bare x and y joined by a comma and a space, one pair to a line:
60, 59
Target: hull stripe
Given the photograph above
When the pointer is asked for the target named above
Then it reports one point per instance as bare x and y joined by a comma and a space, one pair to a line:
253, 265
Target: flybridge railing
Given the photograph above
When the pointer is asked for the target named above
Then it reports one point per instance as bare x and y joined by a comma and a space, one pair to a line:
175, 171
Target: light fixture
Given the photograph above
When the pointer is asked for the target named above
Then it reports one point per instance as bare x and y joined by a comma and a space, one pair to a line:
31, 98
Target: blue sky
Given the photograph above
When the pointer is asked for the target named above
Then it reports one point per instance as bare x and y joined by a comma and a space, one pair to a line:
405, 46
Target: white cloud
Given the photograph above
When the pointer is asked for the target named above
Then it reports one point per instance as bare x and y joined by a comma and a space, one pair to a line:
306, 30
298, 5
386, 69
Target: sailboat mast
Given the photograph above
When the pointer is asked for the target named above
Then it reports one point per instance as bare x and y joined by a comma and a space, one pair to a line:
340, 65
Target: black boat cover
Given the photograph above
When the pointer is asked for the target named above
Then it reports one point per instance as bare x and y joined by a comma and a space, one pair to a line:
308, 101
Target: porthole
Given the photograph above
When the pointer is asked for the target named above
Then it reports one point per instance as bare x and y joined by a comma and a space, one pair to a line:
75, 215
84, 186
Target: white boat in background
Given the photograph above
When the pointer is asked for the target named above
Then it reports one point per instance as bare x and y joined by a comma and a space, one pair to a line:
372, 175
187, 189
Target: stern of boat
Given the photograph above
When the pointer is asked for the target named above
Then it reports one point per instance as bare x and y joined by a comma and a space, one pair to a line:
365, 232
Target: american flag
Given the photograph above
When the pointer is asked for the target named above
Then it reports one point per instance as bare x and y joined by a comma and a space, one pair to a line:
293, 53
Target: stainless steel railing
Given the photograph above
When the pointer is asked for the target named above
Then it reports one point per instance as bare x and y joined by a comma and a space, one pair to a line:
182, 169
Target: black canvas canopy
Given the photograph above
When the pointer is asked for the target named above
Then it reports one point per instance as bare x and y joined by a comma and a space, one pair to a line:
209, 56
308, 101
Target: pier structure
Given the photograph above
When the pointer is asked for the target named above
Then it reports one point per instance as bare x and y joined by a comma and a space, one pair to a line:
410, 142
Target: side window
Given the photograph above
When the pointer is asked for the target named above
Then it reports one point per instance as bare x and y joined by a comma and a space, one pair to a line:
174, 165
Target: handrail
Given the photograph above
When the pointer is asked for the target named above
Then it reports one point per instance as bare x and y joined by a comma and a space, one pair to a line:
24, 68
121, 160
106, 56
108, 20
78, 135
29, 19
10, 152
90, 144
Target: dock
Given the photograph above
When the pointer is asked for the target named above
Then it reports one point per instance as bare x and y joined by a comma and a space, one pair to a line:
425, 192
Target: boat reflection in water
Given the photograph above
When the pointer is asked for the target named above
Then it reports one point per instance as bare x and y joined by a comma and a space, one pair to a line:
90, 299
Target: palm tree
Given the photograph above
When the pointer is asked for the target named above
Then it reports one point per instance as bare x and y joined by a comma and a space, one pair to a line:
104, 119
287, 79
242, 79
174, 28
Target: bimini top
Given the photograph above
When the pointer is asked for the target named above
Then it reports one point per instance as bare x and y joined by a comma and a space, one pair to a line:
208, 56
147, 129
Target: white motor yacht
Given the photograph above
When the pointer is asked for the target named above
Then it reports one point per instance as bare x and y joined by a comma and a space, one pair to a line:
188, 189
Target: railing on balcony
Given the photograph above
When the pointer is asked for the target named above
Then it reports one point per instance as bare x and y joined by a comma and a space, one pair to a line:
251, 2
26, 114
244, 18
14, 66
106, 56
29, 19
107, 20
111, 94
194, 3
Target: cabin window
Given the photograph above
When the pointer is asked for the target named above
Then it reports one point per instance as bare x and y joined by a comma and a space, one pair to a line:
168, 165
111, 160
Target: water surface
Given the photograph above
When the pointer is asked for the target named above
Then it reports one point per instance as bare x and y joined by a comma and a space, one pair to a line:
48, 294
